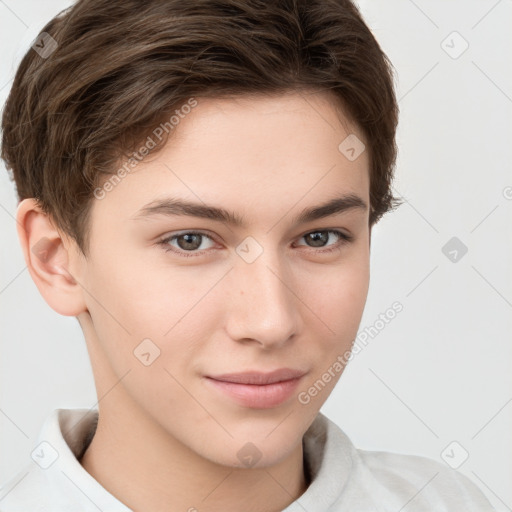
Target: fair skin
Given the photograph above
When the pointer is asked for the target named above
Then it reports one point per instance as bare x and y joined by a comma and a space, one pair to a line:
167, 439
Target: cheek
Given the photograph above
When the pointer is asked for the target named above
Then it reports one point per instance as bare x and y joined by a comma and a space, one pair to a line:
146, 325
337, 299
340, 306
339, 295
146, 299
168, 306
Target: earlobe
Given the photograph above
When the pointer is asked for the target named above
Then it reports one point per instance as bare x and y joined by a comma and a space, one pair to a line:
48, 258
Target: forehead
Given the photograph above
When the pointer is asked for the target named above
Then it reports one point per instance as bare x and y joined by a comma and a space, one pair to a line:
253, 154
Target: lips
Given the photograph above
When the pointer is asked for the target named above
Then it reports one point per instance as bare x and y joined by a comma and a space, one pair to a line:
258, 390
260, 378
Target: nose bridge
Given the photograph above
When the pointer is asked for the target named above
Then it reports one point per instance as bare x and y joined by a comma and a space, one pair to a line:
263, 306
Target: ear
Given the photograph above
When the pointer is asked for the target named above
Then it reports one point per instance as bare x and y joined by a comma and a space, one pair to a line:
50, 257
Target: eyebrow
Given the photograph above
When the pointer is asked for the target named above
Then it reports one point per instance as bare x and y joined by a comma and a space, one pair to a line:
170, 206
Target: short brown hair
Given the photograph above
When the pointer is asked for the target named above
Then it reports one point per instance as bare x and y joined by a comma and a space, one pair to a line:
121, 67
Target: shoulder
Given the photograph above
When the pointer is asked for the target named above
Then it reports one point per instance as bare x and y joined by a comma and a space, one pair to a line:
423, 483
385, 481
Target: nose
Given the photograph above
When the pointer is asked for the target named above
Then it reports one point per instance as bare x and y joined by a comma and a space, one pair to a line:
264, 307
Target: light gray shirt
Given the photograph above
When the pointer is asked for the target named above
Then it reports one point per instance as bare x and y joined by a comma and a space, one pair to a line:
344, 478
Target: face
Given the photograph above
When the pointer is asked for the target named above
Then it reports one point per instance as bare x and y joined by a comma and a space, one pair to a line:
232, 314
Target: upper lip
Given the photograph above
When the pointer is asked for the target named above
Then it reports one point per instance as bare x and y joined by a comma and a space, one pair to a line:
260, 378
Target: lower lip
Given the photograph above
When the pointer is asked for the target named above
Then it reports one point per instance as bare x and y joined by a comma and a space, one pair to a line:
257, 396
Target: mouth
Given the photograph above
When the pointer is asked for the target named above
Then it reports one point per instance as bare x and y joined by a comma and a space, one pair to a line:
258, 390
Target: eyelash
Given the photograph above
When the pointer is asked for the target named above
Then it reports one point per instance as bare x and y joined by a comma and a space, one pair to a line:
344, 239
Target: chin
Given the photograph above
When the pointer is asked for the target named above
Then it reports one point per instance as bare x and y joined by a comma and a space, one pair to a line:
255, 448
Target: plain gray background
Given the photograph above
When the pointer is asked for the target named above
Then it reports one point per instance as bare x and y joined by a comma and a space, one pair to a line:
441, 370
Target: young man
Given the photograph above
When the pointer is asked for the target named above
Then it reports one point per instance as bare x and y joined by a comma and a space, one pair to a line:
198, 182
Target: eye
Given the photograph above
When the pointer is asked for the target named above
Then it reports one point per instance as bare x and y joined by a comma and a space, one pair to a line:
187, 242
320, 238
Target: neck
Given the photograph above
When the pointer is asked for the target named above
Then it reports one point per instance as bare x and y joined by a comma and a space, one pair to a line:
149, 471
